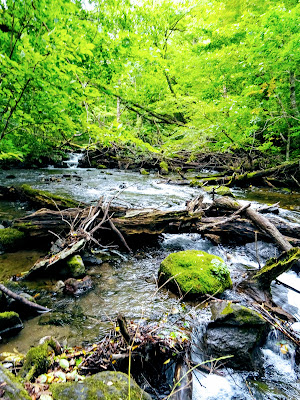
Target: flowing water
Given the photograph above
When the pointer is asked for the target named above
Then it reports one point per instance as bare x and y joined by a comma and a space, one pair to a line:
127, 283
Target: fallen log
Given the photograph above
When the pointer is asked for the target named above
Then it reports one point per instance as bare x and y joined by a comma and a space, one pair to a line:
259, 220
47, 262
38, 198
256, 177
130, 222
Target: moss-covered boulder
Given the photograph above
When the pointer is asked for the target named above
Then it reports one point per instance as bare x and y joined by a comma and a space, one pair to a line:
10, 239
75, 266
195, 272
10, 386
106, 385
237, 331
36, 362
10, 323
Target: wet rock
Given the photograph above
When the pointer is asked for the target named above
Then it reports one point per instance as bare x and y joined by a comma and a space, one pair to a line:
10, 177
56, 319
104, 385
75, 266
78, 286
236, 330
10, 387
10, 323
90, 259
195, 273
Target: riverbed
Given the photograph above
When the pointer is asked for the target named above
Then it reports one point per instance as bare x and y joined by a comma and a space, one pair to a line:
127, 283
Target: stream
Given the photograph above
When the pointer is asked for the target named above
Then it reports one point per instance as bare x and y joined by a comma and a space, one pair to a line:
127, 283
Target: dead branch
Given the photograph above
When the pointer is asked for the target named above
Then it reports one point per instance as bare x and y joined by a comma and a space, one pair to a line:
22, 300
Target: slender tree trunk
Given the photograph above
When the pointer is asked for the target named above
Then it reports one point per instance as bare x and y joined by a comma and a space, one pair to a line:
118, 110
293, 97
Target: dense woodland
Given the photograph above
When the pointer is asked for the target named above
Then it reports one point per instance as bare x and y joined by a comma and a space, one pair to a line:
168, 78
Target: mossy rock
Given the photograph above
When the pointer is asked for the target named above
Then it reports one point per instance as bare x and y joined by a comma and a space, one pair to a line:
10, 238
164, 168
143, 171
107, 385
13, 389
36, 362
76, 267
10, 323
219, 190
236, 331
229, 313
195, 272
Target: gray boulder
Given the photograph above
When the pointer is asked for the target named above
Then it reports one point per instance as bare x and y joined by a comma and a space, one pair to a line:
236, 330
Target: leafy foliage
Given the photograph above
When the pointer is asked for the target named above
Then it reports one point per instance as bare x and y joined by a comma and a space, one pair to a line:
151, 75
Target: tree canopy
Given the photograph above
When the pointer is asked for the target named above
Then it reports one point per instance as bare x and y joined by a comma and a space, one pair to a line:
156, 76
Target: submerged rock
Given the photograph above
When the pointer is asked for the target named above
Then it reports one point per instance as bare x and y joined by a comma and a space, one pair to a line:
78, 286
10, 387
195, 272
104, 385
236, 330
10, 323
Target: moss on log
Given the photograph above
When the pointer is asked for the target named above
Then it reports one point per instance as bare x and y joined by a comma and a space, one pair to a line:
39, 198
276, 266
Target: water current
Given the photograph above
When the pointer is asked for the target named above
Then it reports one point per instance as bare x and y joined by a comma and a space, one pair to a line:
127, 283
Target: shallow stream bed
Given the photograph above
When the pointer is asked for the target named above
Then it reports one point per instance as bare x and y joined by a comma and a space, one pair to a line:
127, 283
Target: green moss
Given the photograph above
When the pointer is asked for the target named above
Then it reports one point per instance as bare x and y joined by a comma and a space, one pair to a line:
195, 272
276, 266
36, 362
10, 238
164, 168
13, 390
196, 183
75, 266
42, 197
240, 315
143, 171
7, 315
106, 385
219, 190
